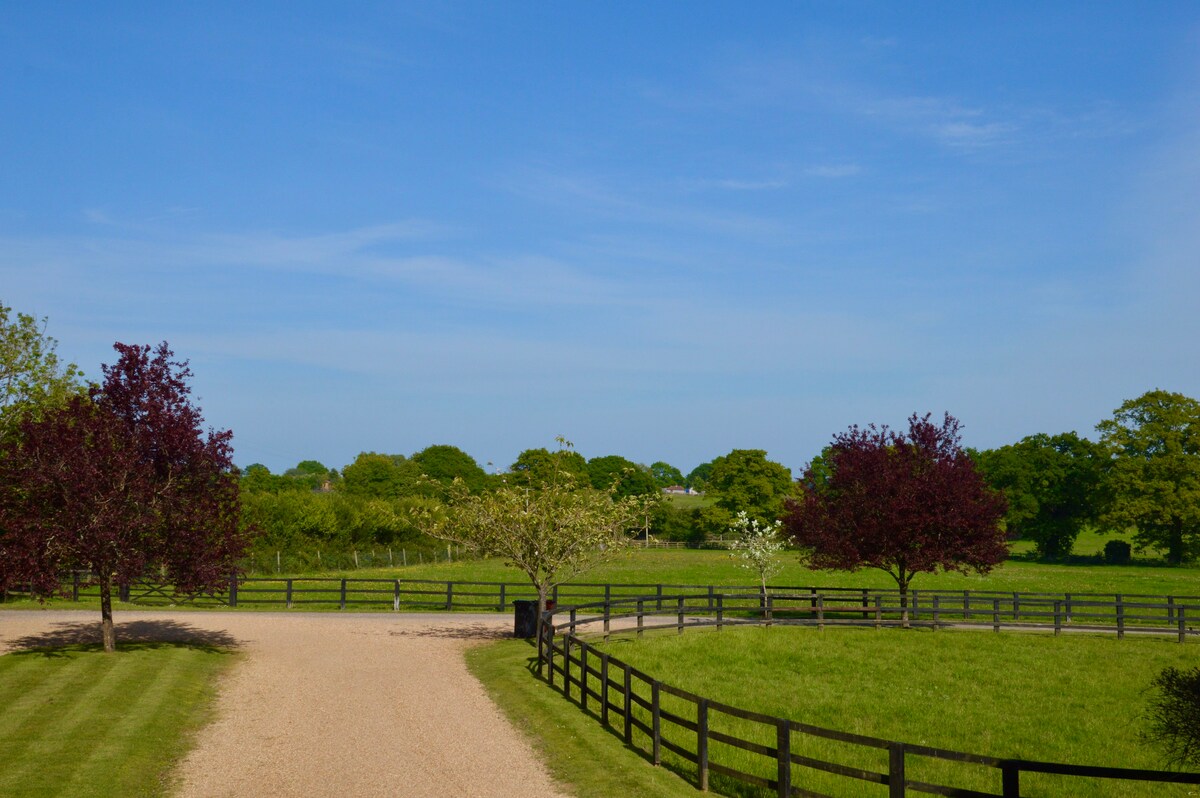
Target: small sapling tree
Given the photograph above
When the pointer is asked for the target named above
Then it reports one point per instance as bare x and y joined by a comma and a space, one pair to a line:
903, 503
552, 530
121, 482
1174, 715
756, 547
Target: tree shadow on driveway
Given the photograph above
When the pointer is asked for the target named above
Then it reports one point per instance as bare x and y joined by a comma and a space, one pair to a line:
138, 634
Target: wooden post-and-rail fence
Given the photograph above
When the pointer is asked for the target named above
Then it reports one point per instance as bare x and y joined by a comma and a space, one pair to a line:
630, 703
821, 606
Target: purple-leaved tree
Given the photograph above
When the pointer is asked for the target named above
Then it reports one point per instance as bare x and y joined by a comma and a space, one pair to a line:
123, 483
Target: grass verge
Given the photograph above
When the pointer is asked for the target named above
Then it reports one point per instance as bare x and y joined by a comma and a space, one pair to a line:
588, 760
78, 722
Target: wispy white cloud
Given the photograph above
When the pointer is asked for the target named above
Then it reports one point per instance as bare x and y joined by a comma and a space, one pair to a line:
833, 170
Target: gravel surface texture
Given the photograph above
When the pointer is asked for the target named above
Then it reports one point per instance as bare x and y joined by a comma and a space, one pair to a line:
325, 704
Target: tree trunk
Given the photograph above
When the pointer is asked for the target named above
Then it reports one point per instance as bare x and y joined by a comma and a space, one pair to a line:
763, 600
902, 581
1175, 542
106, 619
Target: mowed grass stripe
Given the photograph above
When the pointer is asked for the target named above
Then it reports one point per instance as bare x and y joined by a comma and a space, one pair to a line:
120, 744
25, 693
44, 743
117, 732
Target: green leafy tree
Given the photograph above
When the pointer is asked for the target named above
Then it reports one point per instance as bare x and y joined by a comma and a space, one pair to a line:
31, 376
746, 481
665, 475
1174, 715
541, 467
444, 464
382, 476
1154, 472
697, 478
1053, 487
625, 477
552, 531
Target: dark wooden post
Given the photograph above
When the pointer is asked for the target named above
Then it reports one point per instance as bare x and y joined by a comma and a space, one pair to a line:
995, 615
770, 608
656, 722
1170, 610
783, 755
1010, 778
1067, 597
607, 616
554, 595
865, 602
1182, 624
75, 586
233, 591
710, 598
821, 612
503, 603
1057, 617
720, 610
1016, 606
628, 705
550, 656
640, 619
658, 594
123, 592
449, 595
878, 612
680, 615
603, 688
583, 676
913, 610
567, 665
1120, 618
896, 777
966, 605
342, 602
289, 594
936, 609
702, 743
607, 592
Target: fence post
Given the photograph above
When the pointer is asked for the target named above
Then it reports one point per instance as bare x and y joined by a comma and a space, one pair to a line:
123, 592
966, 605
995, 615
567, 665
878, 612
656, 721
896, 777
913, 610
865, 603
502, 601
640, 619
812, 601
396, 598
702, 743
710, 598
1120, 618
821, 612
1010, 778
770, 607
1067, 596
1016, 606
1057, 617
342, 603
1170, 610
550, 655
783, 749
583, 675
628, 705
289, 594
233, 590
449, 595
720, 610
75, 586
554, 595
936, 609
607, 617
607, 592
658, 594
1182, 626
680, 614
604, 689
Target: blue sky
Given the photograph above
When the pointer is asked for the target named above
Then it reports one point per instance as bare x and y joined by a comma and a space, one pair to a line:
661, 230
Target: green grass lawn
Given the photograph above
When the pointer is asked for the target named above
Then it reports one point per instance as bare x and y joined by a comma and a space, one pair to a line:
77, 722
1074, 698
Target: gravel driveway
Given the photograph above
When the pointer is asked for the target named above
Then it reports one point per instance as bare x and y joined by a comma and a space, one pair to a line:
334, 704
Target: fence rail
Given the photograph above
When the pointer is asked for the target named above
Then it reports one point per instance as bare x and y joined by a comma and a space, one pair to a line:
723, 604
586, 673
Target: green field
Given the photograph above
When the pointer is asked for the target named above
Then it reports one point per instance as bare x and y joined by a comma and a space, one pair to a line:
78, 722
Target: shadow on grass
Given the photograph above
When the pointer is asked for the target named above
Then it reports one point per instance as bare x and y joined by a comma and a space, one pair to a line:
132, 635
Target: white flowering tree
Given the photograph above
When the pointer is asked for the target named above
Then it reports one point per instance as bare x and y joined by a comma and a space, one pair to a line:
756, 547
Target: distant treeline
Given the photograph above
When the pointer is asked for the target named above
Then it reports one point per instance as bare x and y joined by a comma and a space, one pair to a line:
1139, 480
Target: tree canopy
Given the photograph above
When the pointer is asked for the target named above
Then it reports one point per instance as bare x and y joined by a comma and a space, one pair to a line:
121, 482
1052, 484
543, 467
1153, 443
624, 477
381, 476
444, 464
665, 475
905, 503
31, 376
746, 481
551, 530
